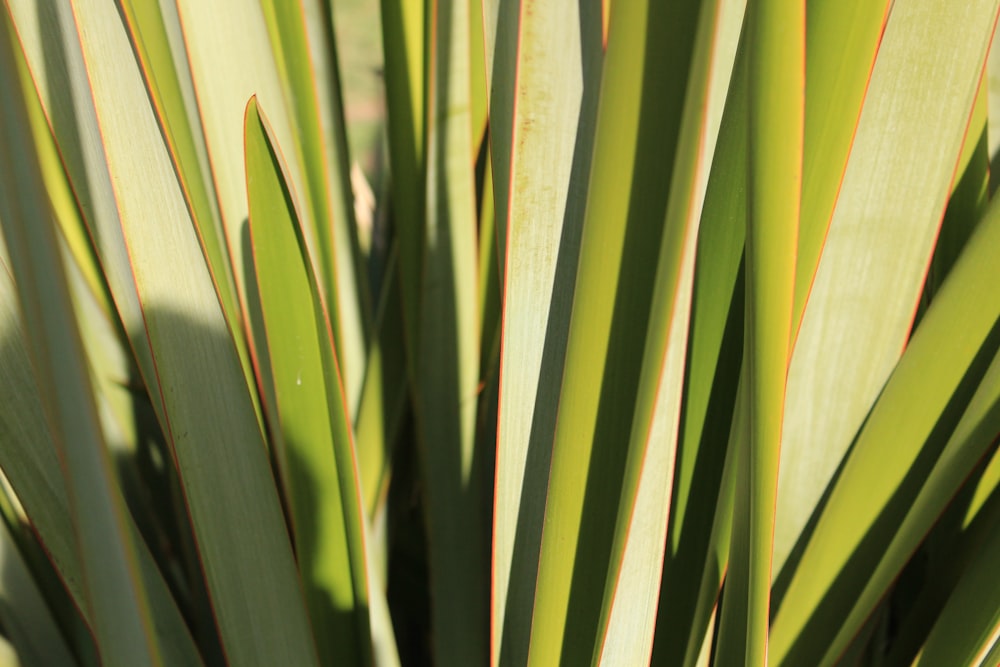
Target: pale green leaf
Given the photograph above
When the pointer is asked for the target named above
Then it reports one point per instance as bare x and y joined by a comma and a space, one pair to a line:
175, 322
880, 240
908, 424
115, 592
542, 110
842, 37
229, 54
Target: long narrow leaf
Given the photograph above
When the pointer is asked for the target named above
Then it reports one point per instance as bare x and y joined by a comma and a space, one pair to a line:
313, 428
543, 136
640, 540
115, 592
333, 219
645, 76
776, 55
837, 577
24, 614
879, 244
447, 366
403, 34
181, 340
968, 630
713, 372
229, 53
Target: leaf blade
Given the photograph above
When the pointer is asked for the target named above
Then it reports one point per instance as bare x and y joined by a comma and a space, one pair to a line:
324, 498
115, 591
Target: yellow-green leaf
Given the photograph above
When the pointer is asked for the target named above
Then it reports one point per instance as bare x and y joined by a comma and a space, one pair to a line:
313, 431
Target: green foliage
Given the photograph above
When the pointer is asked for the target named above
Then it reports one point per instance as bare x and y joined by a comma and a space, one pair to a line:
671, 337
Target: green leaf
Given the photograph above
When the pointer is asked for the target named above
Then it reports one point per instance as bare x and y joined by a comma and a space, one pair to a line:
490, 309
115, 592
403, 37
64, 205
185, 354
312, 428
968, 630
28, 455
713, 373
542, 136
969, 198
26, 618
706, 611
229, 54
33, 478
911, 426
985, 489
171, 89
776, 69
842, 37
880, 241
384, 396
324, 159
478, 77
447, 363
644, 78
148, 30
633, 581
30, 462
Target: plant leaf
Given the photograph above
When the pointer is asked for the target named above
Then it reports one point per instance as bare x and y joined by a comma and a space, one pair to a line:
327, 180
404, 40
183, 348
447, 364
713, 373
968, 629
542, 136
880, 240
637, 556
230, 58
23, 611
910, 425
645, 75
313, 430
115, 592
776, 68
